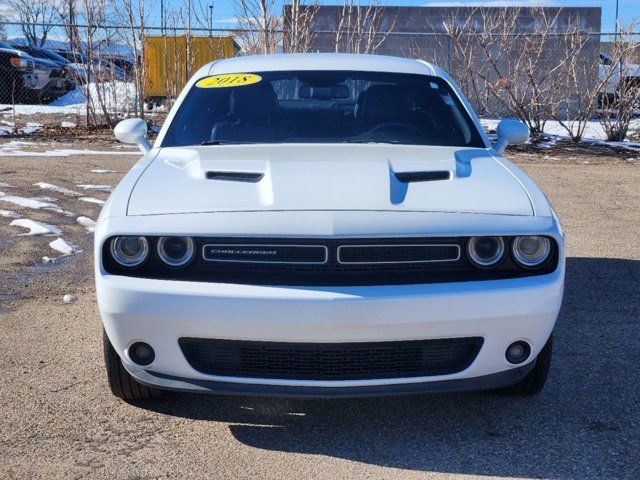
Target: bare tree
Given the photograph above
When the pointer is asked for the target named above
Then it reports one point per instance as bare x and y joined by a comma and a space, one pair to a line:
361, 28
68, 12
259, 26
36, 18
134, 15
298, 25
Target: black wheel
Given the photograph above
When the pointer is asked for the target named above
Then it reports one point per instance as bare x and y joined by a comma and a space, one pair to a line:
121, 383
536, 378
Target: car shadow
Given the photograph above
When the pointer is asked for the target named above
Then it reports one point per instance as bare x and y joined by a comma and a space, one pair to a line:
585, 424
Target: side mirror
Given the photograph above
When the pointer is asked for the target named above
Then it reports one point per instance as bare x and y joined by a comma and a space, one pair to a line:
510, 132
133, 130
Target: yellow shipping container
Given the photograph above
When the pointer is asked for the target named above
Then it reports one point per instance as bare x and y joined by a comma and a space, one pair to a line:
169, 64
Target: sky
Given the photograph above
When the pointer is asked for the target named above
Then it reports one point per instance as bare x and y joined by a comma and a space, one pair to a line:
224, 10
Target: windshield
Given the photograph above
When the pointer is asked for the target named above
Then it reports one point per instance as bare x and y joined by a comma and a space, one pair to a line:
322, 106
53, 56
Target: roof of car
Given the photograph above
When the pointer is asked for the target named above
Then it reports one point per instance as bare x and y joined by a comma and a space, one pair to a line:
318, 61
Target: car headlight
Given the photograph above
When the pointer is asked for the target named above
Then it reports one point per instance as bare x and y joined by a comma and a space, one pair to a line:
531, 251
486, 252
129, 251
176, 251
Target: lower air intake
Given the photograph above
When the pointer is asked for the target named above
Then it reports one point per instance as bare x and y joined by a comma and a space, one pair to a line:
330, 361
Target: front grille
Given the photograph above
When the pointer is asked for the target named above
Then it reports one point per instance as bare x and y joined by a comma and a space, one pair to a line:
330, 361
329, 262
390, 254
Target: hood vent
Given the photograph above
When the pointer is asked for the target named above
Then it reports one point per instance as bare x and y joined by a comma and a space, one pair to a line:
247, 177
411, 177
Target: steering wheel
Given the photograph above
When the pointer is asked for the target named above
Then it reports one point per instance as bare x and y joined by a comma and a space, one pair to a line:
389, 125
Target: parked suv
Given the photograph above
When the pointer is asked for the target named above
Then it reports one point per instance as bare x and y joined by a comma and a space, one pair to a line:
75, 72
44, 82
16, 73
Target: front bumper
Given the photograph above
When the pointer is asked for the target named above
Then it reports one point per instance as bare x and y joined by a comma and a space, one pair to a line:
160, 312
486, 382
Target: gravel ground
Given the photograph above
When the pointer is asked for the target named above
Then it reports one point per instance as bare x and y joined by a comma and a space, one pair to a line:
58, 419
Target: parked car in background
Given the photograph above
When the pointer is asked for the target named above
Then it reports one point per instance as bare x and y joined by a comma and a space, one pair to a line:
338, 225
76, 71
98, 69
16, 70
624, 75
124, 64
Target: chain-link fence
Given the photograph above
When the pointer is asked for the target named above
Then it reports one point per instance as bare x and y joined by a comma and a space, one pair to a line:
98, 74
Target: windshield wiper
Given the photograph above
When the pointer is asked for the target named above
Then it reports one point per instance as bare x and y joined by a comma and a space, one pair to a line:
224, 142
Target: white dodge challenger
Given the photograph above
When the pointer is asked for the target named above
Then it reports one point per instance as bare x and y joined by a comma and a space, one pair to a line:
326, 225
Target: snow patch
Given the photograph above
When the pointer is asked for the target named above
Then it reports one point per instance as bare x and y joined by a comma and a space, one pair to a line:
37, 203
98, 170
92, 200
7, 128
8, 214
86, 222
103, 188
63, 247
5, 185
64, 153
68, 125
56, 188
35, 228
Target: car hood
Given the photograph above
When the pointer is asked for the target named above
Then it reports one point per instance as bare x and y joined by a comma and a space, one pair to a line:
290, 177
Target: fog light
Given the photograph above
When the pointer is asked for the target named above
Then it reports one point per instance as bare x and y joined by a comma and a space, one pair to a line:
141, 353
518, 352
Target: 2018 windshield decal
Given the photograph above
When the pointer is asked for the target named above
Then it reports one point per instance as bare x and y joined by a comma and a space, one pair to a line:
229, 80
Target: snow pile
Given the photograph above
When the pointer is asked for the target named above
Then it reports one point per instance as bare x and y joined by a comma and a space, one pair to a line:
87, 223
35, 228
117, 96
63, 247
69, 298
55, 188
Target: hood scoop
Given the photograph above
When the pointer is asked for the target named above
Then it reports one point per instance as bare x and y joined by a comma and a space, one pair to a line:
411, 177
246, 177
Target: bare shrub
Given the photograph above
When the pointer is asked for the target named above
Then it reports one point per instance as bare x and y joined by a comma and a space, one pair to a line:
619, 110
507, 68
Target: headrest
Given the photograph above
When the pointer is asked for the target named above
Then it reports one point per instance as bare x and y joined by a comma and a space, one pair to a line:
256, 101
381, 101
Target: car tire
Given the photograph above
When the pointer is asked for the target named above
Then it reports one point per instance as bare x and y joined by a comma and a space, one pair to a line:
533, 383
122, 384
